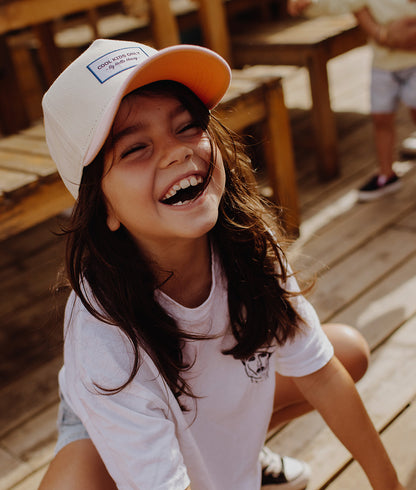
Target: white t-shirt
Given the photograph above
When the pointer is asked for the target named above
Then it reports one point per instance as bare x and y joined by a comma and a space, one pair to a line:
143, 437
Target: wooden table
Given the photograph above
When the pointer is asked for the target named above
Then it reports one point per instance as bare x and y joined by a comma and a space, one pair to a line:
310, 43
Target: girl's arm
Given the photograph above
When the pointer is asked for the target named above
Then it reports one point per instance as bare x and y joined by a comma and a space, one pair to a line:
332, 392
373, 29
399, 34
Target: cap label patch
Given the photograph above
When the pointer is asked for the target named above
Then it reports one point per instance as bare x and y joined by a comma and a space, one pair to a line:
113, 63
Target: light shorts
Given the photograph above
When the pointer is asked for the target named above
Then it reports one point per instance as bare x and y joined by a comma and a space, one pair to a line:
388, 88
70, 427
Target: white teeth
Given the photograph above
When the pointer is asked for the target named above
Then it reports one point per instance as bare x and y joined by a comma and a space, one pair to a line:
183, 184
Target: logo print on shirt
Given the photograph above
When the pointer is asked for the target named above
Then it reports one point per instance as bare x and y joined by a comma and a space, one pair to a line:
257, 366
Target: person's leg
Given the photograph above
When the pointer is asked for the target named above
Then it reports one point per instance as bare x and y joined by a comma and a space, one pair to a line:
408, 96
77, 465
351, 349
384, 138
385, 93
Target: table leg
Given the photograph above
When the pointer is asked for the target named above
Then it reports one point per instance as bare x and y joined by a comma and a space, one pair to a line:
280, 159
323, 118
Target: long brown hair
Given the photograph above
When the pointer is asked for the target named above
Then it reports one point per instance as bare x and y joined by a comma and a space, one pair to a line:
117, 273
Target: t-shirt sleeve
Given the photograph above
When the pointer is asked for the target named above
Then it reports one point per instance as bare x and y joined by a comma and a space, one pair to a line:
133, 430
310, 350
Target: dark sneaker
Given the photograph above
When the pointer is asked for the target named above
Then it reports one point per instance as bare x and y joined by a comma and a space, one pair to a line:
282, 472
378, 186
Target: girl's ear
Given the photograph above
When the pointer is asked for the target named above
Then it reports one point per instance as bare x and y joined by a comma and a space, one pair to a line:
113, 222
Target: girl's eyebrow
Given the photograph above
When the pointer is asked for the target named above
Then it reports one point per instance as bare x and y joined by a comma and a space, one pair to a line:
140, 126
116, 137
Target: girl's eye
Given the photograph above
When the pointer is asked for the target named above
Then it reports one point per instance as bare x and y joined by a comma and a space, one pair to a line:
132, 149
192, 127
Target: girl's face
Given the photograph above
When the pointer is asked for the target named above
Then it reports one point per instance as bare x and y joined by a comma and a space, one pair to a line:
154, 169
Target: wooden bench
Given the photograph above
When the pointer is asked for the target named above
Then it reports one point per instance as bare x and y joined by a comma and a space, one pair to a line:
31, 190
306, 42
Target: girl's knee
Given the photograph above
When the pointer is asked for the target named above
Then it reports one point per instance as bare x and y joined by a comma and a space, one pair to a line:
350, 348
77, 465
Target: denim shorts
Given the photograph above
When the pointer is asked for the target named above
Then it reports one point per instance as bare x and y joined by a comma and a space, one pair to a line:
388, 88
70, 427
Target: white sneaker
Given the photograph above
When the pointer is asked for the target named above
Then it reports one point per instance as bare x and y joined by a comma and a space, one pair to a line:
408, 146
282, 472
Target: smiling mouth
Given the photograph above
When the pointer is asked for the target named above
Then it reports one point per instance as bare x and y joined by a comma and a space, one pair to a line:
184, 191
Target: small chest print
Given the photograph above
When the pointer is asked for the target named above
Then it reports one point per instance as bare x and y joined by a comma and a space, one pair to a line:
257, 366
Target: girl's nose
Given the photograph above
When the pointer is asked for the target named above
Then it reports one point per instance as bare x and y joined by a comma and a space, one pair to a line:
174, 152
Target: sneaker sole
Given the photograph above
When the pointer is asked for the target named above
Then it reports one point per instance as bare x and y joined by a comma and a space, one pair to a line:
365, 196
299, 483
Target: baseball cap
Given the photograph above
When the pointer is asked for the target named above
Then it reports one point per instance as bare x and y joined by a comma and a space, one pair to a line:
80, 106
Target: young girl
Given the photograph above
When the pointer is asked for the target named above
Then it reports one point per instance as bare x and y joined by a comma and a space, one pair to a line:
186, 337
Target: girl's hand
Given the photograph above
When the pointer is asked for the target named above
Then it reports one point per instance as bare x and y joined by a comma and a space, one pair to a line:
401, 34
296, 7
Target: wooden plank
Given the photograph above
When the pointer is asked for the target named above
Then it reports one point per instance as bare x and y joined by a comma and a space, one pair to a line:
33, 443
11, 469
299, 32
398, 439
29, 243
32, 481
27, 163
11, 181
387, 389
18, 14
22, 144
334, 238
50, 199
384, 307
360, 270
26, 397
35, 131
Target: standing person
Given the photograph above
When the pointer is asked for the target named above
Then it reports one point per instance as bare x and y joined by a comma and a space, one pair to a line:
393, 77
186, 336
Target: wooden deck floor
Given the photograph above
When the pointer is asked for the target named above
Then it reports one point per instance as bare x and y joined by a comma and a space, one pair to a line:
365, 259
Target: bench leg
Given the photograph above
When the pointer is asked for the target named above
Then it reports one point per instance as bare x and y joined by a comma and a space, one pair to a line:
13, 114
280, 159
48, 52
323, 118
